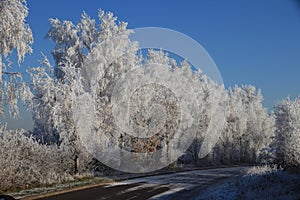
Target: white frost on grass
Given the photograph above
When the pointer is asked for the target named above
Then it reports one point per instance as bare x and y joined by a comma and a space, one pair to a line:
267, 182
260, 182
56, 188
225, 191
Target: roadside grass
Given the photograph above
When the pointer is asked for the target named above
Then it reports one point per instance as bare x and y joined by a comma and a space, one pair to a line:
50, 189
268, 182
259, 183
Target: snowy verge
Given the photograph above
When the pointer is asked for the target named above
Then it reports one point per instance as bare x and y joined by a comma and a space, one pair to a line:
263, 182
59, 188
268, 182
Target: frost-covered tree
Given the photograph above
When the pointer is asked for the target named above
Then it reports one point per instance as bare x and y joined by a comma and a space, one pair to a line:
249, 127
75, 42
51, 107
213, 96
230, 140
260, 125
48, 98
53, 88
287, 134
15, 34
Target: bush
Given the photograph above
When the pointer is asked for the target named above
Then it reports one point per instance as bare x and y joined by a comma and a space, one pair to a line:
25, 163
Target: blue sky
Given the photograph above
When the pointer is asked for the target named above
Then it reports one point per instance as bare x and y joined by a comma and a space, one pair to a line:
252, 42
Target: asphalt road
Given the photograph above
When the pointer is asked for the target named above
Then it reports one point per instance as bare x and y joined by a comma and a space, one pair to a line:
181, 185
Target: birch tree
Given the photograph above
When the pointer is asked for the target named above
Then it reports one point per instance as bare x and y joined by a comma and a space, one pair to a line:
287, 134
15, 34
52, 87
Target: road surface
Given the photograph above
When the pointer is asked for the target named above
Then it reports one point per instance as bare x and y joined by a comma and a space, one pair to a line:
181, 185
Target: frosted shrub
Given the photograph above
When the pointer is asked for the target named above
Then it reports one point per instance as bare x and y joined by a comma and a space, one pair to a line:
24, 162
260, 170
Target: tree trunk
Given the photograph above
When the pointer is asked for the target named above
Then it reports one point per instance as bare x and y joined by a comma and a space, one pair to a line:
1, 92
76, 164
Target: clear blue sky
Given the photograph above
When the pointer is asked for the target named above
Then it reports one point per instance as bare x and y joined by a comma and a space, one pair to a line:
252, 41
